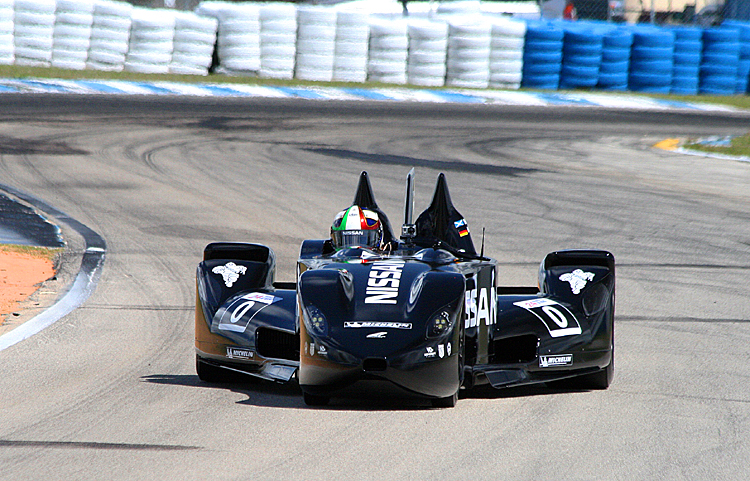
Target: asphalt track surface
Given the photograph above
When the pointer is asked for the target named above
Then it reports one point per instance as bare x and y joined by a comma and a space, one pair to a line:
110, 392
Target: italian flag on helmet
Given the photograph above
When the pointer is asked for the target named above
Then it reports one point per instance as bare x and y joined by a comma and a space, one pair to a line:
355, 218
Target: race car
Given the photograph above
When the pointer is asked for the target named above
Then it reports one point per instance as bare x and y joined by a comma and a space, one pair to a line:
420, 313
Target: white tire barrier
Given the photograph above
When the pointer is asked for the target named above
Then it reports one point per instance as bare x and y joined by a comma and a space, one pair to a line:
352, 46
7, 48
194, 40
316, 43
468, 62
151, 40
428, 47
506, 53
389, 44
278, 29
110, 35
72, 33
238, 37
34, 22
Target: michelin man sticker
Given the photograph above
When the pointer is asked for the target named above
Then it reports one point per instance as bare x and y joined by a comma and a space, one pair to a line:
577, 279
230, 272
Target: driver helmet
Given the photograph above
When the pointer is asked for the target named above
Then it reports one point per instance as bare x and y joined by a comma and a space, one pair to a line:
356, 227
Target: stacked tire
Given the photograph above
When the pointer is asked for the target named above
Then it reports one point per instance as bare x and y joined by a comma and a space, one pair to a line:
238, 37
352, 46
278, 40
613, 71
506, 53
651, 60
582, 57
720, 61
71, 37
688, 45
428, 47
194, 40
316, 43
110, 35
743, 70
7, 55
389, 44
151, 41
468, 63
542, 56
34, 22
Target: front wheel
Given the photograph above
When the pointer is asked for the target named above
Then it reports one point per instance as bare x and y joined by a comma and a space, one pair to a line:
446, 402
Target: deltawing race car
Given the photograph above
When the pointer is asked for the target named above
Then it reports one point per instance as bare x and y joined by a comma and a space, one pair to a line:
420, 313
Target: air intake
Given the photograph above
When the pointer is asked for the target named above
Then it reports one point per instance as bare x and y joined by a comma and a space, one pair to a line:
374, 364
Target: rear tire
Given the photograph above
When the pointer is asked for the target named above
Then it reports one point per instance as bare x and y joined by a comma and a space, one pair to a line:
313, 400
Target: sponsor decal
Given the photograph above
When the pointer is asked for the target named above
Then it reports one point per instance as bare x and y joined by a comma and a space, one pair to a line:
383, 282
556, 317
230, 272
556, 360
430, 352
480, 306
377, 325
441, 351
239, 353
448, 348
322, 350
462, 227
312, 349
243, 309
377, 335
577, 279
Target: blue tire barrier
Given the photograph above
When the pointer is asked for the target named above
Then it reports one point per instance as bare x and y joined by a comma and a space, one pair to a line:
651, 53
617, 39
547, 82
720, 62
614, 67
652, 37
687, 34
530, 69
743, 73
684, 71
612, 79
582, 56
687, 58
616, 47
616, 54
652, 61
721, 35
582, 49
688, 52
542, 46
543, 31
542, 57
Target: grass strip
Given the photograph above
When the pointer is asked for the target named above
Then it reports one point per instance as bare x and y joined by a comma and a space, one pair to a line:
739, 146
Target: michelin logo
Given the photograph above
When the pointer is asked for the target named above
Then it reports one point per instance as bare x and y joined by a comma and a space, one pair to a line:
556, 360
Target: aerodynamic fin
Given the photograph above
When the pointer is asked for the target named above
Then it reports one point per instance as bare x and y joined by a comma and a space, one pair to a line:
443, 222
365, 199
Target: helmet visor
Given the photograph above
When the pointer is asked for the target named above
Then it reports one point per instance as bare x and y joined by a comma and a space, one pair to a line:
353, 238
